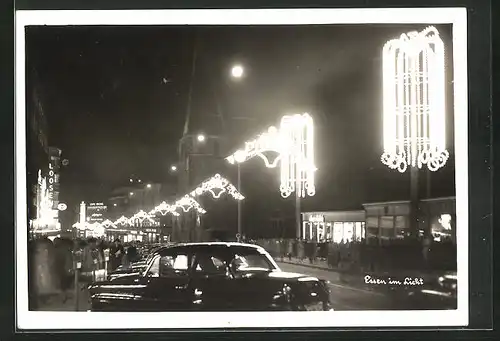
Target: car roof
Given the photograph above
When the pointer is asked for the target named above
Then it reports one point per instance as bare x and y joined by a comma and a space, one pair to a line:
220, 246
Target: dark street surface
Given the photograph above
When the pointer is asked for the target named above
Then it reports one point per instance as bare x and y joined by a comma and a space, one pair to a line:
344, 296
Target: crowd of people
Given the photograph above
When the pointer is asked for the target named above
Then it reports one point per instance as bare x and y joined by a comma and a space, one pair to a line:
53, 263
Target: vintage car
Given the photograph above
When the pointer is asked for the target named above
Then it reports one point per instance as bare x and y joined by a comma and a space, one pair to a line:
211, 277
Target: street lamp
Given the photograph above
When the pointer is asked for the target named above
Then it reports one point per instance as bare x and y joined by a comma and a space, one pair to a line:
173, 168
148, 185
237, 71
201, 138
131, 193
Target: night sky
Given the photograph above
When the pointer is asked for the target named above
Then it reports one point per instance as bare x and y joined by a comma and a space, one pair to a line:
115, 98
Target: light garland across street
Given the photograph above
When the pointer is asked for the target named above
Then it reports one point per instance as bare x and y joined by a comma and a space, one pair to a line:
219, 183
184, 204
294, 143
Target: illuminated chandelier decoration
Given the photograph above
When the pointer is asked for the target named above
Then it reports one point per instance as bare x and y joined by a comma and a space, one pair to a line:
165, 208
219, 183
269, 141
186, 203
297, 162
414, 101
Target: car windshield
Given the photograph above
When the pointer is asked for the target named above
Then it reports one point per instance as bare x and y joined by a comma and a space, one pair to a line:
254, 261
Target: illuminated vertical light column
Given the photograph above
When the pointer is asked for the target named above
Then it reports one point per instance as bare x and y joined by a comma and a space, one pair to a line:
83, 214
414, 101
414, 108
297, 160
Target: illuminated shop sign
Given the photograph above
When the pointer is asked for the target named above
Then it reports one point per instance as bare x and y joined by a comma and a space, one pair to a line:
51, 181
317, 219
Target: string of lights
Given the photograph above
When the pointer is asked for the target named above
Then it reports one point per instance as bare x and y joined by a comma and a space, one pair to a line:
185, 203
294, 143
219, 183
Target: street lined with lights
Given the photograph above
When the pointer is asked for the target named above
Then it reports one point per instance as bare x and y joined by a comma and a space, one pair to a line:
186, 203
414, 130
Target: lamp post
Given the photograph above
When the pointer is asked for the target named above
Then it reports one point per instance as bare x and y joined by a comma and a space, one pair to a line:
294, 144
239, 157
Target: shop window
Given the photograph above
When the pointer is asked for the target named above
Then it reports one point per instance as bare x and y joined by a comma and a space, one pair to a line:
359, 230
337, 232
371, 227
387, 227
348, 231
401, 227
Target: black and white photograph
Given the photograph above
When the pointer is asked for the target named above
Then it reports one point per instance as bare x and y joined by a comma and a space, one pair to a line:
241, 168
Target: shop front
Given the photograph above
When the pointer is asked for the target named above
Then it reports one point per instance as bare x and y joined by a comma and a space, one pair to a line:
390, 220
336, 226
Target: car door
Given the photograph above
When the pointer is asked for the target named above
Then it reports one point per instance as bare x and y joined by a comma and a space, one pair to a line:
168, 283
210, 284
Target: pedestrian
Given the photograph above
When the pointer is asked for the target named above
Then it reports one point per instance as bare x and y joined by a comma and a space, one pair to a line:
64, 265
116, 254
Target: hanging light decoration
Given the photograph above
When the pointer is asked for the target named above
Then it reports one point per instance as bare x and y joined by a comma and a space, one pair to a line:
165, 208
220, 184
297, 163
269, 141
108, 223
414, 101
186, 203
122, 221
140, 216
294, 143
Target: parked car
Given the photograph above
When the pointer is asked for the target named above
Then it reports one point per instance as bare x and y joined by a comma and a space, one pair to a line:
439, 293
134, 268
211, 277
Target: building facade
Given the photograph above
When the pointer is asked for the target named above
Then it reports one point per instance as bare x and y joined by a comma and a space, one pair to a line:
383, 222
336, 226
390, 220
96, 212
37, 153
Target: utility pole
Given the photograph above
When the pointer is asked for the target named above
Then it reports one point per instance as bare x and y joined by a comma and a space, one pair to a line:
240, 227
414, 202
184, 159
298, 224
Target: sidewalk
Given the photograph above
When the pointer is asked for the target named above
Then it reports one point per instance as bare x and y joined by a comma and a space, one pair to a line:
58, 302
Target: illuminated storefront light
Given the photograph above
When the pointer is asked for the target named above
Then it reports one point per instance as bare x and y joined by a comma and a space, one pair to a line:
414, 101
45, 214
220, 184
